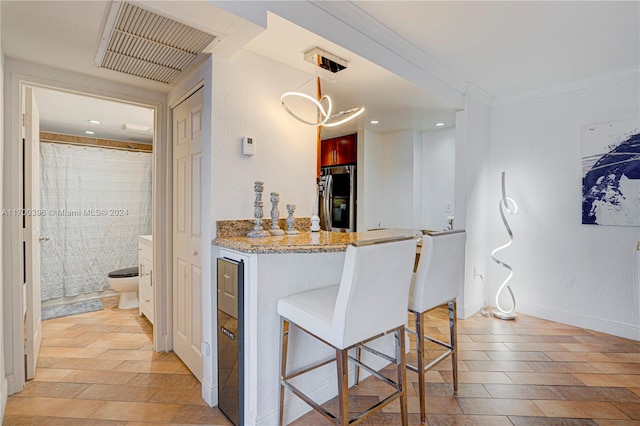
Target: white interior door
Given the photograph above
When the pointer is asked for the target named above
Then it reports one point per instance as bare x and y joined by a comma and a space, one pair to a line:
31, 234
187, 231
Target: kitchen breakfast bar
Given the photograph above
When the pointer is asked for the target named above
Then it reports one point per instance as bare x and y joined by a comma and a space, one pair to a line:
273, 268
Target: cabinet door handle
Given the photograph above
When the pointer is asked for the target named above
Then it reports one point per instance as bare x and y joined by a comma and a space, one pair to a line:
151, 278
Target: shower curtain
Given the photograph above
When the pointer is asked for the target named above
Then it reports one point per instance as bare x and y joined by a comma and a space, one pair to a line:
95, 202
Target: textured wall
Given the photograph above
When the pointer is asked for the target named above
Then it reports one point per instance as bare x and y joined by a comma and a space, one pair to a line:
370, 181
398, 176
438, 174
3, 379
574, 273
246, 102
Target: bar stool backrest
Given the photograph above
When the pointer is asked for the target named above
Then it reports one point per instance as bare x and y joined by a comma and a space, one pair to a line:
374, 290
438, 275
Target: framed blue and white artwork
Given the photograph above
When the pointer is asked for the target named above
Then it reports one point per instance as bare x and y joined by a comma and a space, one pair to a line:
611, 173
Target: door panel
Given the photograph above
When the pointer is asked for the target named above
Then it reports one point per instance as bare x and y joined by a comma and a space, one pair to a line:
33, 326
187, 238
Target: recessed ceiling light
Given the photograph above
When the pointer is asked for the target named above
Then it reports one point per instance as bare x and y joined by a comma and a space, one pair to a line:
374, 122
89, 132
135, 128
439, 124
94, 122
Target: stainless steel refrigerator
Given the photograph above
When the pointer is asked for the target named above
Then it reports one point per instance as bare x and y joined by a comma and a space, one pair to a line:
337, 198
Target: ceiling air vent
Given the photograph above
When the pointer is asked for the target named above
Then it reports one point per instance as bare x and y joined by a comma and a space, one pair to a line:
323, 59
147, 45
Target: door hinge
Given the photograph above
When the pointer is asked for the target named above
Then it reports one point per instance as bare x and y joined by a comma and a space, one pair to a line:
23, 234
24, 119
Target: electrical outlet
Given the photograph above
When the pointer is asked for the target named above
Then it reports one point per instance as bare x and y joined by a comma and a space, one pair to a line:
475, 273
448, 207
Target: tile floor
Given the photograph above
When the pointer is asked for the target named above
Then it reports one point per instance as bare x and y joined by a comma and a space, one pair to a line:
99, 369
524, 372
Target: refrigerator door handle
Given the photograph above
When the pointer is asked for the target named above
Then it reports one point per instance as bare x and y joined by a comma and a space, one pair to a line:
328, 197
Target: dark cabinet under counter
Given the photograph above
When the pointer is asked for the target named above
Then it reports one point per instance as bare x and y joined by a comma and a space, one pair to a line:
230, 286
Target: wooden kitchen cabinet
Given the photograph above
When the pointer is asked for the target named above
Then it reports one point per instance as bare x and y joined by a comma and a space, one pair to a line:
340, 150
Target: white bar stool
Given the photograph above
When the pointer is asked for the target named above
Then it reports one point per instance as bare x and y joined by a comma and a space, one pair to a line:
434, 284
370, 301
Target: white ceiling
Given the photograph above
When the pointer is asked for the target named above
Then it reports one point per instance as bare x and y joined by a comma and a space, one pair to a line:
69, 113
504, 48
507, 47
396, 103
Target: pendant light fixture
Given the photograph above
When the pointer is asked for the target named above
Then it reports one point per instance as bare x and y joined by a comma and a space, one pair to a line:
323, 104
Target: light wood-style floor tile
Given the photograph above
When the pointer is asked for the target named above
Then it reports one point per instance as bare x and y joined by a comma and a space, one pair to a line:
580, 409
99, 369
131, 393
51, 374
610, 380
47, 406
543, 378
501, 407
136, 411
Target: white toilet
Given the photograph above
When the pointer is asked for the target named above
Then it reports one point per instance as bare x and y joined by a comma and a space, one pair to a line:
125, 282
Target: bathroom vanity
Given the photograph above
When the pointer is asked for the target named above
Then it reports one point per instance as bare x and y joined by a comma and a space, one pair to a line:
277, 267
145, 276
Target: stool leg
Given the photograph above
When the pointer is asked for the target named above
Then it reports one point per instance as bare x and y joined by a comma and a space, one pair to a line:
401, 363
284, 340
342, 361
453, 330
420, 351
358, 357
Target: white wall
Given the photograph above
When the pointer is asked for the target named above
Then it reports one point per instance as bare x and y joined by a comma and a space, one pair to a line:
438, 177
471, 205
407, 179
398, 179
370, 180
246, 102
564, 271
3, 377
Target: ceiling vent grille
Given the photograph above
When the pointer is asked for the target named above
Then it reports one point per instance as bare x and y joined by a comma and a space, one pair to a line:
147, 45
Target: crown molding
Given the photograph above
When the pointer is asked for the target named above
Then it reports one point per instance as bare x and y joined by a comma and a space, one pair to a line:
392, 43
480, 94
570, 86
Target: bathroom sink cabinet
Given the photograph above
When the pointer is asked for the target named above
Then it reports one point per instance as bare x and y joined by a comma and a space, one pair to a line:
145, 276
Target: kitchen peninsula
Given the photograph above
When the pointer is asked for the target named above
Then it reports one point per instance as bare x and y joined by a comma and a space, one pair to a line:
276, 267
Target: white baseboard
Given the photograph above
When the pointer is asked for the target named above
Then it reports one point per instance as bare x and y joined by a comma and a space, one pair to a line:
592, 323
4, 394
11, 387
209, 393
468, 310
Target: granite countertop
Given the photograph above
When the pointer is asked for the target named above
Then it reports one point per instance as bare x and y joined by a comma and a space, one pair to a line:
308, 242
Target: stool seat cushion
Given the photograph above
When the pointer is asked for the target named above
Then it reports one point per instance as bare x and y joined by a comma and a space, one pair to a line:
312, 310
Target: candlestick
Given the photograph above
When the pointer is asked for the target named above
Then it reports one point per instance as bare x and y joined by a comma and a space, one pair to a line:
258, 230
275, 214
291, 221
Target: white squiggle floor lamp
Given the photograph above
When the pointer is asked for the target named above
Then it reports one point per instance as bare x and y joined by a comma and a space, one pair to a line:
508, 204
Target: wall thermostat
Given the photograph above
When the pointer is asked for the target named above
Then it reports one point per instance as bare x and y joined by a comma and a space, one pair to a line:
248, 146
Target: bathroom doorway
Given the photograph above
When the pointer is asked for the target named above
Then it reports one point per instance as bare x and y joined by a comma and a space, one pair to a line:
96, 190
95, 161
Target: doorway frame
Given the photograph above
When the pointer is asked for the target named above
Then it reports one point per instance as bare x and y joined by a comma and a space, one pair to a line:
13, 193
